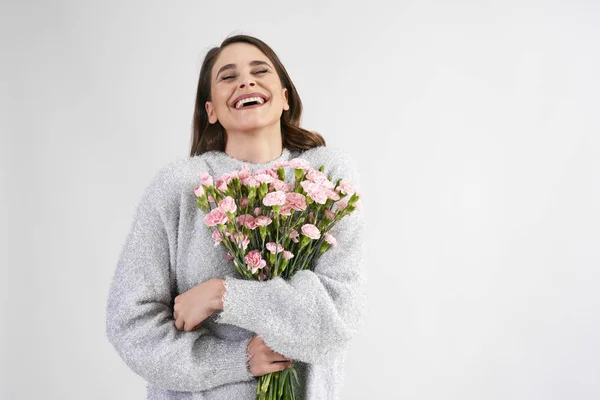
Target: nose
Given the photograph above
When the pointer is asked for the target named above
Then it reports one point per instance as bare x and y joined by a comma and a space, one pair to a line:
247, 81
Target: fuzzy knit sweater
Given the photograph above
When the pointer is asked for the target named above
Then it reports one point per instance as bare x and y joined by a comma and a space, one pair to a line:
310, 318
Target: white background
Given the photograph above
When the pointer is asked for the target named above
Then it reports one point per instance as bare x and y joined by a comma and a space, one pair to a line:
476, 128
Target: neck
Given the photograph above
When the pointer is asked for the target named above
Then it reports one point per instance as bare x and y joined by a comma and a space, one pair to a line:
259, 146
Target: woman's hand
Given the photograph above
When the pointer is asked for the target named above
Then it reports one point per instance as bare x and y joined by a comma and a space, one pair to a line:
197, 304
263, 360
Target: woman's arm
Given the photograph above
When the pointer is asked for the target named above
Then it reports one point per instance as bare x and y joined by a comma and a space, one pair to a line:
139, 315
314, 315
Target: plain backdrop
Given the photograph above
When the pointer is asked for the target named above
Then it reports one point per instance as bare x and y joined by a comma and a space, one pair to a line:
476, 128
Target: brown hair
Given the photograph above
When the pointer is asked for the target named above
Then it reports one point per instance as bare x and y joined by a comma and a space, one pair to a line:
207, 137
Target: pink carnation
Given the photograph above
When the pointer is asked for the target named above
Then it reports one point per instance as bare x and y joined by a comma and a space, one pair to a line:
241, 240
263, 178
244, 202
311, 231
330, 239
329, 214
341, 204
263, 221
221, 184
298, 163
288, 255
228, 204
272, 172
199, 191
229, 177
274, 199
279, 164
250, 182
332, 195
216, 217
309, 186
246, 220
254, 261
319, 197
274, 248
319, 177
286, 209
297, 201
205, 179
346, 188
315, 191
281, 186
228, 256
244, 173
294, 236
217, 236
257, 211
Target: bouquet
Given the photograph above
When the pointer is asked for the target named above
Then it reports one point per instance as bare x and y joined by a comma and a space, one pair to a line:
271, 227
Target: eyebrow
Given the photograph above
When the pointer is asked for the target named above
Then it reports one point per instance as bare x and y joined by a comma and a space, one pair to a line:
234, 66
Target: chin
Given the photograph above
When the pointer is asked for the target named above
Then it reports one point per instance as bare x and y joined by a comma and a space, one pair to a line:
251, 125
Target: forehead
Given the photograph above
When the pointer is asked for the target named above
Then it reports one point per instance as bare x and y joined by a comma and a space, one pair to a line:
240, 54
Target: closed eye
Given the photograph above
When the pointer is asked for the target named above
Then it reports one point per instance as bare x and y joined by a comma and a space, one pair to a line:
226, 77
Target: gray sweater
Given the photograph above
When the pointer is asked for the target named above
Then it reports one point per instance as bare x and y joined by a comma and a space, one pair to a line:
310, 318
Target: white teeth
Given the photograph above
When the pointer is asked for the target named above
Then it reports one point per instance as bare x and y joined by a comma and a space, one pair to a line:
240, 103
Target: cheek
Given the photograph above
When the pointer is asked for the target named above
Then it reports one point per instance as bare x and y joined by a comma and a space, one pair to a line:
220, 96
220, 104
281, 100
277, 94
281, 92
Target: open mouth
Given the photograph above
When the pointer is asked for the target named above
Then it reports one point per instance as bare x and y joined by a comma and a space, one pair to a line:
250, 102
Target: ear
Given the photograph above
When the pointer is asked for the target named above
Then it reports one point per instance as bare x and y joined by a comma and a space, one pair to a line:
210, 110
286, 105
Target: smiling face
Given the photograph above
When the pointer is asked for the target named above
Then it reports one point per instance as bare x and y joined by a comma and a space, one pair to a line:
246, 93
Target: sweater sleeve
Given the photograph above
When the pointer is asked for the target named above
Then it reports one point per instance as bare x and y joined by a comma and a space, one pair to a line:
313, 316
139, 314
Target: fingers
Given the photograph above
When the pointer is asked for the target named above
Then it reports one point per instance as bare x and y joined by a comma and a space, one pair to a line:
197, 327
180, 324
183, 325
178, 321
260, 369
187, 326
277, 366
285, 365
276, 357
264, 360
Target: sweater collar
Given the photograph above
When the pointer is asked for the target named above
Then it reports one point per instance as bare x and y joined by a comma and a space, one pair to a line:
284, 156
224, 163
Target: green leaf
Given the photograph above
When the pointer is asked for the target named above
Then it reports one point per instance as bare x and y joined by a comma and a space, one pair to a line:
265, 384
270, 390
295, 375
276, 385
283, 381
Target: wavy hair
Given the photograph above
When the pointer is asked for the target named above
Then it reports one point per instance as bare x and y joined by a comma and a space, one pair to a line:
208, 137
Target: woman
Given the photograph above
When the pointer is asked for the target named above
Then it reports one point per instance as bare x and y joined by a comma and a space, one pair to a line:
176, 313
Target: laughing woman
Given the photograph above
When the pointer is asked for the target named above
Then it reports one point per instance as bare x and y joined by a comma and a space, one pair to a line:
176, 313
